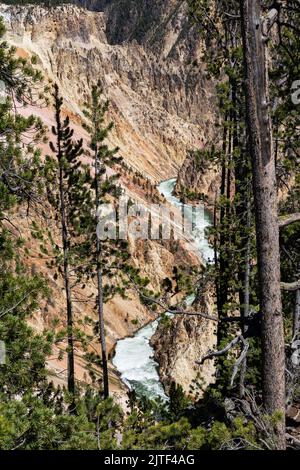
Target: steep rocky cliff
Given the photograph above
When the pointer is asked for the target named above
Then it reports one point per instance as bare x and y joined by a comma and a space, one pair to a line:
147, 58
179, 343
198, 181
123, 316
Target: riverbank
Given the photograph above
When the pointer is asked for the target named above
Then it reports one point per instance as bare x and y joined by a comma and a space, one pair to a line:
134, 356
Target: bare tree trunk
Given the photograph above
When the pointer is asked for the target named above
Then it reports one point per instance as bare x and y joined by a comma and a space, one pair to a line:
100, 300
265, 194
62, 132
71, 373
246, 298
296, 322
222, 281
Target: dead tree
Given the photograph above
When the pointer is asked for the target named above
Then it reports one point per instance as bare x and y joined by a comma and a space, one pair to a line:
296, 322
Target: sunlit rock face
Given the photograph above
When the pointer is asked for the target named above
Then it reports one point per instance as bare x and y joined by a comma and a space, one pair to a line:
148, 59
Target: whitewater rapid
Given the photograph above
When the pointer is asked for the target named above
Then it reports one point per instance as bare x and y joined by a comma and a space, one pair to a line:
134, 356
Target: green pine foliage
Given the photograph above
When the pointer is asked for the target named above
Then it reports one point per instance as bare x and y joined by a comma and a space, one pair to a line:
233, 271
105, 189
36, 415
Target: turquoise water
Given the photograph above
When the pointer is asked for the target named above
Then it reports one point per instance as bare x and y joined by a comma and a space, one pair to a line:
134, 356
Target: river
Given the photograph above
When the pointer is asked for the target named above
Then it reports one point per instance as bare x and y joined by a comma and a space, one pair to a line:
134, 356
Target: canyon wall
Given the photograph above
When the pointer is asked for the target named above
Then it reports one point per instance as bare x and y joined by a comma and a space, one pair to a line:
180, 342
198, 181
147, 58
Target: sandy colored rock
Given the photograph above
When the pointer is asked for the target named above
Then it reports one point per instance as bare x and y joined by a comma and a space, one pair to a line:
161, 101
181, 342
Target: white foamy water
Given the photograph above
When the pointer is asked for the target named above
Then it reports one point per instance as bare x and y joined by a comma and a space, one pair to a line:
134, 356
196, 215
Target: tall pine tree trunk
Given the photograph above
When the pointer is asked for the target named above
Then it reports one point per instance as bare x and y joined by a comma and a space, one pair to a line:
265, 194
296, 322
65, 243
245, 298
222, 282
100, 300
67, 153
71, 373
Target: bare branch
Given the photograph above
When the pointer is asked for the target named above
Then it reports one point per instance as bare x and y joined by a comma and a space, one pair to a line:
171, 309
4, 312
240, 359
213, 354
271, 19
6, 219
294, 441
20, 444
238, 339
289, 219
290, 286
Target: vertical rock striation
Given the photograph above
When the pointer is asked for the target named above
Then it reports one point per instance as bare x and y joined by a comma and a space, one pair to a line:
147, 57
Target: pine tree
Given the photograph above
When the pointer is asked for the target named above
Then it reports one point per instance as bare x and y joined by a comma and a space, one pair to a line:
71, 202
103, 186
27, 402
233, 224
255, 29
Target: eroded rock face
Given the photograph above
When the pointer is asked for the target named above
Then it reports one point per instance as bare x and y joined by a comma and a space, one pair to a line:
180, 343
198, 181
147, 58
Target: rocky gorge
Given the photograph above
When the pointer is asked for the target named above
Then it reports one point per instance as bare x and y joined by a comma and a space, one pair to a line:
162, 104
161, 101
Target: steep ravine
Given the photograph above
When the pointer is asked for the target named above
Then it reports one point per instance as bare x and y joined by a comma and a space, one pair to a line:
197, 180
148, 60
180, 343
158, 354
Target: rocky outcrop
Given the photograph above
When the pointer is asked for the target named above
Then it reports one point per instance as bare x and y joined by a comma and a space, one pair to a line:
123, 316
147, 58
198, 180
181, 341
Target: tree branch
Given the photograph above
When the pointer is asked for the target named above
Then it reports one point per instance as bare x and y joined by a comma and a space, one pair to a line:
290, 286
170, 309
240, 359
271, 19
213, 354
4, 312
238, 339
286, 220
